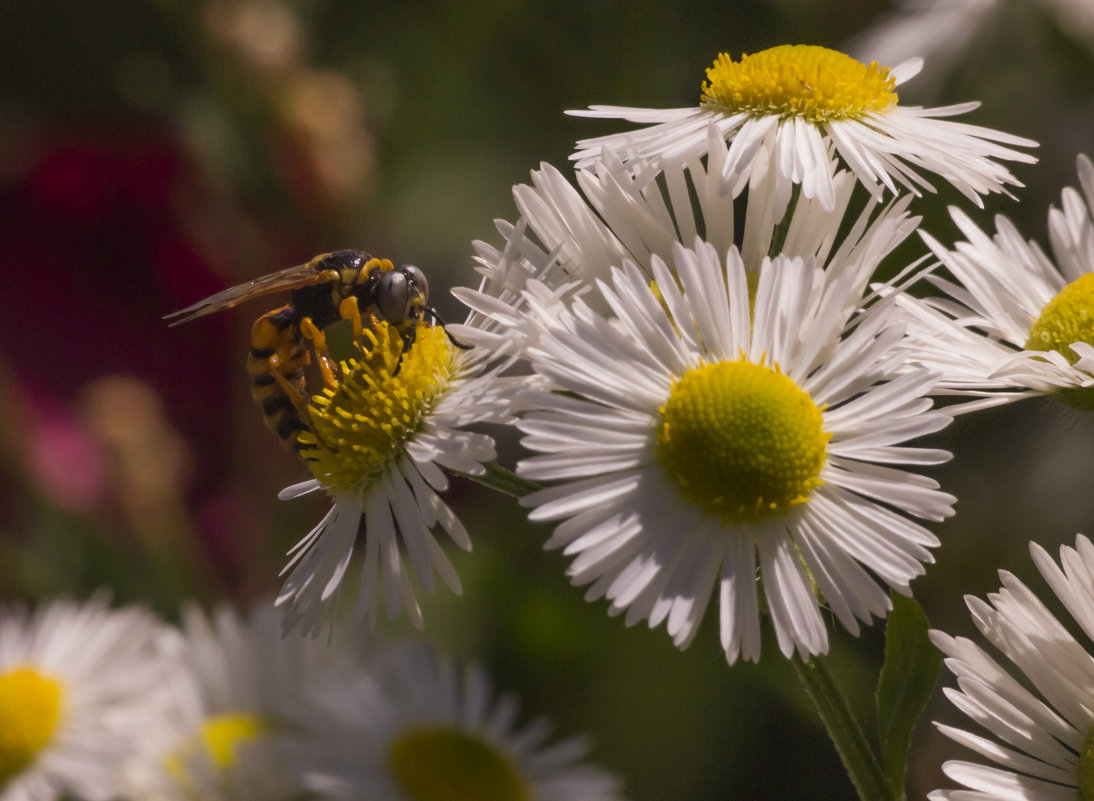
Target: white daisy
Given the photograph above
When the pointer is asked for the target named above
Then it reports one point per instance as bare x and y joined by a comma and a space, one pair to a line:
940, 31
699, 428
380, 439
567, 239
1040, 724
80, 686
1015, 324
414, 728
799, 105
234, 687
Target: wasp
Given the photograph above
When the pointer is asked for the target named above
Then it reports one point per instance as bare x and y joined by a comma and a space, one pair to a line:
329, 288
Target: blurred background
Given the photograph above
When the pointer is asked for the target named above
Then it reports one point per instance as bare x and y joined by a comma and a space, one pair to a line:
153, 152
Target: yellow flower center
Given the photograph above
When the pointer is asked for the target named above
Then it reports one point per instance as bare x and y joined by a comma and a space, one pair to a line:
1067, 318
219, 741
814, 83
445, 764
382, 397
741, 440
30, 710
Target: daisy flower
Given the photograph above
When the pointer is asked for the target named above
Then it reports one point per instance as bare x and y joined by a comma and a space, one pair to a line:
799, 105
414, 728
1014, 323
568, 237
382, 430
235, 685
708, 426
79, 686
1033, 704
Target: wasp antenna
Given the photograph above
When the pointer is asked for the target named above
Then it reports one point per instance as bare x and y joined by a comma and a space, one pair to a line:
437, 319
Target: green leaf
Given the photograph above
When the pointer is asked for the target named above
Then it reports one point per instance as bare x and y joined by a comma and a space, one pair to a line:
905, 685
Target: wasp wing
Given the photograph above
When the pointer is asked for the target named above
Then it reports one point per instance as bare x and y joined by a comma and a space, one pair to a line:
289, 278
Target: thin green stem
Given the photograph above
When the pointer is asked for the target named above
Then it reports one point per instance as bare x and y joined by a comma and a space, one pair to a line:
860, 760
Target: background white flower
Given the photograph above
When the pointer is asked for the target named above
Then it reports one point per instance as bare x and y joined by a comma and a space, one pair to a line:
414, 726
82, 689
1036, 710
1012, 323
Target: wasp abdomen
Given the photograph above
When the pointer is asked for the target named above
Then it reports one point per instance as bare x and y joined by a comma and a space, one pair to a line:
276, 365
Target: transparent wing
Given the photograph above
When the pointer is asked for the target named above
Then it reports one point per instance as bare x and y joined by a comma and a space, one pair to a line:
289, 278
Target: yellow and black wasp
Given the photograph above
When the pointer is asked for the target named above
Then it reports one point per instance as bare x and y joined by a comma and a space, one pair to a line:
331, 287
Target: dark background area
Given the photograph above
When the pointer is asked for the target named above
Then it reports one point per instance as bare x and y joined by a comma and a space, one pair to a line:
152, 153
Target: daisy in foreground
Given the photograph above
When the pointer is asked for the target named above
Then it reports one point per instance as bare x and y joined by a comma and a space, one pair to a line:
79, 688
417, 729
1040, 725
704, 428
382, 430
235, 685
798, 104
1014, 324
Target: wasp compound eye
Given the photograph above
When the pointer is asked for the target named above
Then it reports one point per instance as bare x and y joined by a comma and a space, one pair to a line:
418, 279
393, 296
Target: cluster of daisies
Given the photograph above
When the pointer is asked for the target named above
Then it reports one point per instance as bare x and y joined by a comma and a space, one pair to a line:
101, 703
719, 392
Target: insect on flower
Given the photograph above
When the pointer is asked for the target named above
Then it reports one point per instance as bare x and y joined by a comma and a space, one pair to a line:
343, 285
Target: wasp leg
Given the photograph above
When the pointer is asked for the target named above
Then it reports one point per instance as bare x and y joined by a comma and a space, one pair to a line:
327, 366
350, 310
291, 390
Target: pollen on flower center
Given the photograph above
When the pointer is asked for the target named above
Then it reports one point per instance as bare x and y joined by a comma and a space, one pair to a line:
1067, 318
806, 81
382, 396
446, 764
30, 710
741, 440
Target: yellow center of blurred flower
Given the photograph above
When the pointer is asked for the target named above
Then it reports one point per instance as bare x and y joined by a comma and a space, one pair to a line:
1067, 318
1084, 776
219, 741
445, 764
741, 440
814, 83
383, 395
30, 710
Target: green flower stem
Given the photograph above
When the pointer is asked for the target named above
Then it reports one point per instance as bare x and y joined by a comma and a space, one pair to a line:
503, 480
858, 757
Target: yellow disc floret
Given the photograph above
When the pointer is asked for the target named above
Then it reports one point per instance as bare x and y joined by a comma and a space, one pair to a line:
217, 743
814, 83
446, 764
1067, 318
741, 440
30, 711
381, 399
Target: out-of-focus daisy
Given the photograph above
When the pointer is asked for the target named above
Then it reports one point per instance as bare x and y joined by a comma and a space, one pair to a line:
566, 240
801, 105
940, 31
1039, 725
417, 729
80, 689
1015, 324
381, 436
234, 687
702, 427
